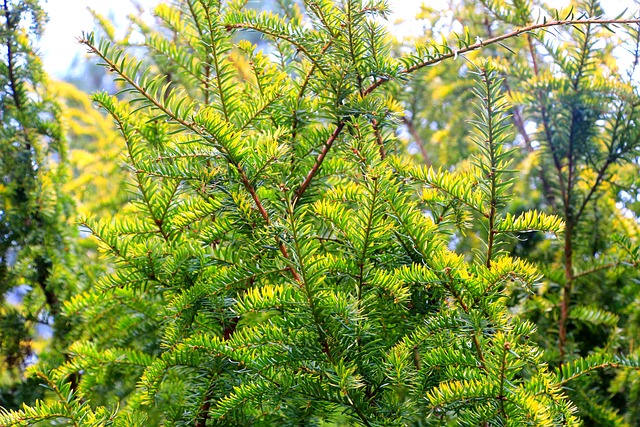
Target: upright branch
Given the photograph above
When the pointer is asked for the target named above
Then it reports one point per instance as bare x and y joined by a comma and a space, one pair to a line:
576, 138
491, 133
130, 78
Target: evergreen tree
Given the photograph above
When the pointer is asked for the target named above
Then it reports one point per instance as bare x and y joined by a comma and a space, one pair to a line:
283, 260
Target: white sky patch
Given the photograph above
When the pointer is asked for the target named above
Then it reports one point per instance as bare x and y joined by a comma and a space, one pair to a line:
68, 19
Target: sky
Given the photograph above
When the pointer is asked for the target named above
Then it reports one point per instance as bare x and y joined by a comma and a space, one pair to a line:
69, 18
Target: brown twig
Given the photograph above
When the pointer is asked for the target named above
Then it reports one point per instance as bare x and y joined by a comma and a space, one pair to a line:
417, 139
454, 53
316, 167
379, 141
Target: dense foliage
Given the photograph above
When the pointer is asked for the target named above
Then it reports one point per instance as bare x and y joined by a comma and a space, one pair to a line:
579, 161
38, 257
284, 256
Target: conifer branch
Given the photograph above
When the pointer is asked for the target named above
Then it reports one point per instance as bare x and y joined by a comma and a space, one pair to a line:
191, 126
117, 252
503, 366
69, 412
306, 286
491, 142
316, 167
367, 241
612, 156
153, 46
577, 368
599, 178
317, 10
596, 269
303, 88
546, 125
207, 66
213, 46
520, 126
494, 40
351, 42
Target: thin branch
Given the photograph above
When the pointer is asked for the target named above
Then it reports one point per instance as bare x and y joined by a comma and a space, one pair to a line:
601, 173
597, 269
207, 66
605, 365
379, 140
215, 55
70, 413
350, 36
316, 167
454, 53
417, 139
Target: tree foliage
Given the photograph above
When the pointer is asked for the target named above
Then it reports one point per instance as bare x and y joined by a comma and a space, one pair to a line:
284, 259
38, 270
574, 111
